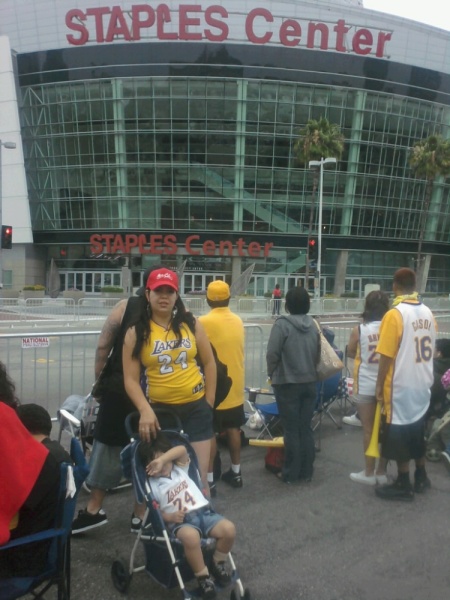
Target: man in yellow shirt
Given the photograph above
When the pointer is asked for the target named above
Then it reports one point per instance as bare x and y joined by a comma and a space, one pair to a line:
225, 331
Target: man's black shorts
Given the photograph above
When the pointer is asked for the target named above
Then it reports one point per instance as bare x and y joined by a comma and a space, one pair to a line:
232, 418
403, 442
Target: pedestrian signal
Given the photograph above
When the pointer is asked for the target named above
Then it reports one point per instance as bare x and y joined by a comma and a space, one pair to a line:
7, 237
313, 248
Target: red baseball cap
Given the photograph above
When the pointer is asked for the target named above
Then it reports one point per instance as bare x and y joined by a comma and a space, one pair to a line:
162, 277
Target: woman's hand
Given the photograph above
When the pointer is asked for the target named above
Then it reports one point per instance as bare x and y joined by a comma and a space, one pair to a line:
148, 424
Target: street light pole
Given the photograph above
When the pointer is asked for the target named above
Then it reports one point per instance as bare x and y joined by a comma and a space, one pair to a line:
8, 146
314, 164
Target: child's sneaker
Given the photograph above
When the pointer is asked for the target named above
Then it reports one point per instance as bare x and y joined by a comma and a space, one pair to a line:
86, 521
232, 478
206, 587
220, 573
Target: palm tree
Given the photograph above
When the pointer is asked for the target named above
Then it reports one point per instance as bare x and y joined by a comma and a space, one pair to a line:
429, 159
319, 139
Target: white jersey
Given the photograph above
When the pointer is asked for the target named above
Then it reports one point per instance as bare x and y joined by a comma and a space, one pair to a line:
413, 374
366, 361
408, 335
177, 492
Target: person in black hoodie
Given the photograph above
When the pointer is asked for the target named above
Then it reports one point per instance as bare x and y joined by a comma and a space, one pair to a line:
293, 352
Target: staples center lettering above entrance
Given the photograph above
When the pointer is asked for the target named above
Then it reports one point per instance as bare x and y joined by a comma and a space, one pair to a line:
110, 243
188, 22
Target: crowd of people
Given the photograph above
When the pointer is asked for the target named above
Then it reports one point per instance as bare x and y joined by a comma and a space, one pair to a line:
162, 359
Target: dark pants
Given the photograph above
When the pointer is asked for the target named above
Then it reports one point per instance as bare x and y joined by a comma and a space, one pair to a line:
276, 307
296, 403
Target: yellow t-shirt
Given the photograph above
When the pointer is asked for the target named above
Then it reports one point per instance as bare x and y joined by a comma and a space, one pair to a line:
225, 331
172, 375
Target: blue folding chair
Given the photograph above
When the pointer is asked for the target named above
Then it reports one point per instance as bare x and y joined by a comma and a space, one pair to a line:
57, 568
329, 392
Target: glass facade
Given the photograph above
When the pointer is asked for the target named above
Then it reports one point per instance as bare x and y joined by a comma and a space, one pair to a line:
206, 154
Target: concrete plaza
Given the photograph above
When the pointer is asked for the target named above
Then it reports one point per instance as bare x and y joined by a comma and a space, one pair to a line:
331, 539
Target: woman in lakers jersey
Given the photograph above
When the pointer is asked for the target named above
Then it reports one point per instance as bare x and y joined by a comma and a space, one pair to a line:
160, 367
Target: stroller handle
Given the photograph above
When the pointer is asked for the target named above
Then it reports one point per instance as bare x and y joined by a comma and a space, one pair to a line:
132, 421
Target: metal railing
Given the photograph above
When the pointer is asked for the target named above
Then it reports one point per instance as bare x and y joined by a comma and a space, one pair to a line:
90, 309
48, 367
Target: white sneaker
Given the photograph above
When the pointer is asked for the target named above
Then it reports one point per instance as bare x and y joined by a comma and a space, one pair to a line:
382, 479
352, 420
361, 477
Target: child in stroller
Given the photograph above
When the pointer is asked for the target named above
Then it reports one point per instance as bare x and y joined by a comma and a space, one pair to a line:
186, 511
178, 516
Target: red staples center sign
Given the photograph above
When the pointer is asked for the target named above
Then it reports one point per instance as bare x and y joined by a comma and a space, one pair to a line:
195, 22
116, 243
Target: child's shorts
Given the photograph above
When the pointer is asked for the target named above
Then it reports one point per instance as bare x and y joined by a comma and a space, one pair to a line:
203, 519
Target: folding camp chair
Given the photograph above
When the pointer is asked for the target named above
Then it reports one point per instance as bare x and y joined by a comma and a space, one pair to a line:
57, 568
330, 392
267, 412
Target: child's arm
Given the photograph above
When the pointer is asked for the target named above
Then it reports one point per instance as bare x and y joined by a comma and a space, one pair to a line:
176, 454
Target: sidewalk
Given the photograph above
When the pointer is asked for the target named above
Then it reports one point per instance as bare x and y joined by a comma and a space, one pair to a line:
328, 540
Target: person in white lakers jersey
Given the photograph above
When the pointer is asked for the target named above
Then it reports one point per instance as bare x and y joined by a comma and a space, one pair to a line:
405, 376
362, 348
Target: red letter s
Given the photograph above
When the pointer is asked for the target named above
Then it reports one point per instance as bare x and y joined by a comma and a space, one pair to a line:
78, 14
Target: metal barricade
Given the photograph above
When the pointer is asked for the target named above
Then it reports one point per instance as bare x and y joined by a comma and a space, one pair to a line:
47, 367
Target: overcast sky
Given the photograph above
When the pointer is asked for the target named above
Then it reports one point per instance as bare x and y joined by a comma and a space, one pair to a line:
432, 12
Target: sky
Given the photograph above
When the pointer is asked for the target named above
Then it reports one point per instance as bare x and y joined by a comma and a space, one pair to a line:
431, 12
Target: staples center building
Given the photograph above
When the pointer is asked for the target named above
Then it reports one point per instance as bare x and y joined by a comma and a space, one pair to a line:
164, 132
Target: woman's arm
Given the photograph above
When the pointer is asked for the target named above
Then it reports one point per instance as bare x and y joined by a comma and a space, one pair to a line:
148, 423
108, 335
208, 362
352, 345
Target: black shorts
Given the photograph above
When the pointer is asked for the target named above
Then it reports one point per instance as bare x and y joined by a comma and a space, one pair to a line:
196, 418
232, 418
403, 442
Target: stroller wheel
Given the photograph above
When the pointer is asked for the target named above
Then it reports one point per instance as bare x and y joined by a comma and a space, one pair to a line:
235, 595
120, 576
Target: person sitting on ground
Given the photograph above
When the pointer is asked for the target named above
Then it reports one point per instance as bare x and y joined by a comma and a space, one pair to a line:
187, 512
38, 422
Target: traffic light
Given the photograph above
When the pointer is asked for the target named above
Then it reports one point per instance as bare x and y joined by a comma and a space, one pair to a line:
6, 237
313, 248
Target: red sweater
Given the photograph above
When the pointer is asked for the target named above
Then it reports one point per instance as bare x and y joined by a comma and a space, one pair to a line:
21, 461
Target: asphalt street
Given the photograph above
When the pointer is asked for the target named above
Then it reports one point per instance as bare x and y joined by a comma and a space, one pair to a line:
331, 539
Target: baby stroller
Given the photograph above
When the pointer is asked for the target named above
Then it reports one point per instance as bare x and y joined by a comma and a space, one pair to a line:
165, 562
